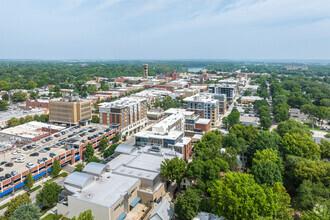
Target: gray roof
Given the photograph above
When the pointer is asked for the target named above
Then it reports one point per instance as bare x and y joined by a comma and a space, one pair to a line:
95, 168
78, 180
125, 149
164, 211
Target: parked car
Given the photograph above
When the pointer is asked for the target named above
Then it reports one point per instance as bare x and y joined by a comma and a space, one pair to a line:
44, 158
40, 161
34, 154
14, 173
7, 176
10, 164
18, 150
3, 162
47, 148
56, 135
2, 178
52, 155
25, 148
14, 152
42, 151
19, 160
29, 165
1, 169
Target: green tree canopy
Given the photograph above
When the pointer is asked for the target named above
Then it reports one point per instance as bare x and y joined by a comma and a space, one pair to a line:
110, 150
56, 169
3, 105
187, 205
93, 159
18, 96
86, 215
29, 181
173, 169
292, 126
79, 167
266, 172
95, 119
300, 145
15, 203
48, 195
26, 212
89, 152
238, 196
233, 117
104, 143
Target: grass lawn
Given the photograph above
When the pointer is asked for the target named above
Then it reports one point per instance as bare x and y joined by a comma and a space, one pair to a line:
54, 217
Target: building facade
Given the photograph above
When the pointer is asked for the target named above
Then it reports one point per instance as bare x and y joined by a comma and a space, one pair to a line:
229, 90
69, 110
37, 103
129, 113
203, 105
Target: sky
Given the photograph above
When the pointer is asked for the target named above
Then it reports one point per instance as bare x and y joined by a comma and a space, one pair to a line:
164, 29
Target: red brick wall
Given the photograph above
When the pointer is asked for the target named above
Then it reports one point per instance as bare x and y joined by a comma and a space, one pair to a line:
204, 127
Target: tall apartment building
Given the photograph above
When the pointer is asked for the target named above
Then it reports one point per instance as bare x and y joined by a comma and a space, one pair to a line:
130, 113
69, 110
145, 71
229, 90
203, 105
222, 102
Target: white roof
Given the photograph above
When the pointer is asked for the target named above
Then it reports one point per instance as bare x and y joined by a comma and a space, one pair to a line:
95, 168
125, 149
164, 211
77, 180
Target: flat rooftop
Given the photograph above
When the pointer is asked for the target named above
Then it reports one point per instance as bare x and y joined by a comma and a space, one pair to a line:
203, 121
157, 135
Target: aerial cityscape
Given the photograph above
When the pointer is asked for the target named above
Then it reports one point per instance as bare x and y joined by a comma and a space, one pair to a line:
164, 110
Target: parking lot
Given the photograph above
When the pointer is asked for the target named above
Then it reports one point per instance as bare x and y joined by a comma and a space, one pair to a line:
60, 143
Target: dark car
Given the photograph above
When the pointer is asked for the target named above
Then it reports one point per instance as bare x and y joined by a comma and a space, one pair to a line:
2, 178
29, 147
1, 169
25, 148
7, 176
47, 148
44, 159
52, 155
10, 164
3, 162
34, 154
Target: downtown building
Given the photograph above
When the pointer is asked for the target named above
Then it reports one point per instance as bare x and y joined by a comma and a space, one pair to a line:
129, 114
229, 90
204, 105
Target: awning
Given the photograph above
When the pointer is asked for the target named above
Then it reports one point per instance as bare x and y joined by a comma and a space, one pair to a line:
39, 175
122, 216
135, 201
77, 158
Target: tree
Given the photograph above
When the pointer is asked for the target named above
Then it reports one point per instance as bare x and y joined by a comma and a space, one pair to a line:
195, 170
116, 138
266, 172
292, 126
79, 167
15, 203
315, 171
3, 105
28, 118
93, 159
284, 202
124, 138
95, 119
238, 196
56, 169
105, 88
325, 149
187, 205
33, 95
13, 122
309, 194
89, 151
29, 181
48, 195
5, 97
281, 112
31, 85
86, 215
26, 212
225, 121
265, 122
263, 140
300, 145
173, 169
233, 117
310, 110
269, 155
104, 143
18, 96
110, 150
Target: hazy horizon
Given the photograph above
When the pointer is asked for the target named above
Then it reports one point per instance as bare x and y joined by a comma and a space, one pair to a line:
233, 30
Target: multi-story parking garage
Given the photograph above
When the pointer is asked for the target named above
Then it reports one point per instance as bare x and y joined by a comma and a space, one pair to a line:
68, 149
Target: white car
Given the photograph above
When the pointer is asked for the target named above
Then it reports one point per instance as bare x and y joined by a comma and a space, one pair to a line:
14, 152
18, 150
19, 160
29, 165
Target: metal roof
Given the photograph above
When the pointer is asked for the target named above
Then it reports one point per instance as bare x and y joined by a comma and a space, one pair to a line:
78, 180
125, 149
95, 168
